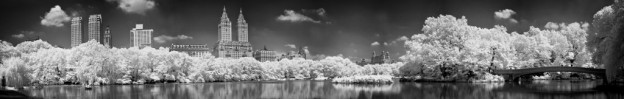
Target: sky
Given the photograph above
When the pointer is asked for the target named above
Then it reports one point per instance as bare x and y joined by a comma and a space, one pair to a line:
352, 28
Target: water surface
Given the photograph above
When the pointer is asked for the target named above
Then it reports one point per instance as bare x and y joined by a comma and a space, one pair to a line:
557, 89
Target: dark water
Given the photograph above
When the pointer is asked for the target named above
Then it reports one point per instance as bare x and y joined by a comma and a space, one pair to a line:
326, 89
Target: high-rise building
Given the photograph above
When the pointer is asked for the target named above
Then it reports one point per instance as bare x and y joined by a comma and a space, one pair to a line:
140, 37
76, 31
107, 37
228, 48
225, 27
242, 28
94, 27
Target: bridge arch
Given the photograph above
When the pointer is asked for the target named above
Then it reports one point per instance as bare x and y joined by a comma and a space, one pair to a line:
514, 74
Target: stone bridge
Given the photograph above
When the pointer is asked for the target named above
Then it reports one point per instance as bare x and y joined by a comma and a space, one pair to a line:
514, 74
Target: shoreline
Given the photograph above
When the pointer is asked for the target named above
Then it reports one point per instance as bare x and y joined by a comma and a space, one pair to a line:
326, 80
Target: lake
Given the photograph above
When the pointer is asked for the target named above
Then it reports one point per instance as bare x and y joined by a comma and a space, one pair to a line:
552, 89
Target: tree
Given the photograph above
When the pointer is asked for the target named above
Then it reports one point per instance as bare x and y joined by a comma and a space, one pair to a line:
6, 51
48, 65
607, 39
88, 60
449, 45
32, 46
336, 66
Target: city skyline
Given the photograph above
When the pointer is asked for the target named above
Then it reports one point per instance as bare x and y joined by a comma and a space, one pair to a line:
328, 28
317, 49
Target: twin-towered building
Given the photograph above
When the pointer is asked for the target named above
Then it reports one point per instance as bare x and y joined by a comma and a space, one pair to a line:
226, 47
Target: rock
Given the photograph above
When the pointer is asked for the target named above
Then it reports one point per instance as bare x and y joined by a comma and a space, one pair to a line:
169, 77
155, 77
320, 78
123, 81
140, 82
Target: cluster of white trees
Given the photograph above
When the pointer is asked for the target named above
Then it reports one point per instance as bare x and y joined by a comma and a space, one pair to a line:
449, 48
37, 62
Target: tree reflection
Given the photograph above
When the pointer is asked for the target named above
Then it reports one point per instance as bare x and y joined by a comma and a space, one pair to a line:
326, 89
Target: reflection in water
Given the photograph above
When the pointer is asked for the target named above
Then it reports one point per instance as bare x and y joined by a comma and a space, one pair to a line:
326, 89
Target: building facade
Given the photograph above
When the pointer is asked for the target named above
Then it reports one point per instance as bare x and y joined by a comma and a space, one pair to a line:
140, 37
301, 53
107, 37
192, 50
94, 27
384, 57
228, 48
76, 31
265, 55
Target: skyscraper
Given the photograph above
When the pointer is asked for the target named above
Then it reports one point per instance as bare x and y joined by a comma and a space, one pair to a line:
242, 28
225, 27
76, 31
140, 37
228, 48
107, 37
94, 27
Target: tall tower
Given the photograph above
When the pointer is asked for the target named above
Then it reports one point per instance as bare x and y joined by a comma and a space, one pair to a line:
107, 37
242, 28
76, 31
94, 27
225, 27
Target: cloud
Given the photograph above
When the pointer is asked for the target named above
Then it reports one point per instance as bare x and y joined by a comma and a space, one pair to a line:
385, 43
26, 35
291, 46
19, 36
305, 15
319, 12
505, 15
166, 38
400, 39
293, 16
135, 6
55, 17
551, 25
375, 43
